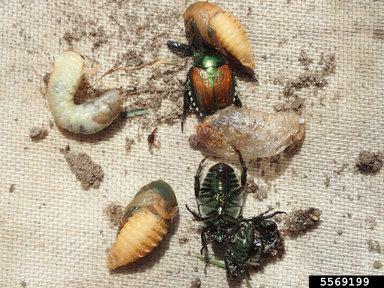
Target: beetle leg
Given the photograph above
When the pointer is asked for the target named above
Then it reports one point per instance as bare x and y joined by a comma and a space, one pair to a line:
204, 247
236, 100
197, 177
180, 49
204, 243
263, 215
195, 214
243, 166
273, 214
187, 102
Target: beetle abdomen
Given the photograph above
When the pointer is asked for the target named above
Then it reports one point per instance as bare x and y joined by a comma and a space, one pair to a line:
139, 236
219, 29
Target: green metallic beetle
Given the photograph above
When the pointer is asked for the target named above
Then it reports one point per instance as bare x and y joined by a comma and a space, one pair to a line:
254, 239
219, 201
211, 84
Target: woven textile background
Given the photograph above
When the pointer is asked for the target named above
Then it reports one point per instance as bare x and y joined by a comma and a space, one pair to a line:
54, 234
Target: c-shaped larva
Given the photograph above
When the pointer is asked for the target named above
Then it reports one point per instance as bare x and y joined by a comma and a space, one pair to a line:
86, 118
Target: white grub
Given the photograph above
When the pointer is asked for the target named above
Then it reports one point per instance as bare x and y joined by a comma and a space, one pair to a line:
256, 134
86, 118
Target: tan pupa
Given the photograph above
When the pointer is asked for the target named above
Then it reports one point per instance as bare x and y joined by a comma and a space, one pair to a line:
219, 29
144, 224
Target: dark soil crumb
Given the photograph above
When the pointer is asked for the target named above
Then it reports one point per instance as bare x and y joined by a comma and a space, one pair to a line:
196, 283
183, 240
327, 180
304, 59
371, 222
370, 162
38, 133
377, 264
300, 221
23, 284
128, 143
70, 38
114, 212
258, 192
296, 105
374, 246
97, 35
378, 34
311, 77
87, 172
65, 149
46, 78
12, 188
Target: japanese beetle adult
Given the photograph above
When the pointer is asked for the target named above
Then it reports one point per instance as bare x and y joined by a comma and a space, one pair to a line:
254, 239
219, 200
211, 84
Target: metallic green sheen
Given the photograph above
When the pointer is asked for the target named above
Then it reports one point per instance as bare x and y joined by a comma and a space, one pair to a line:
210, 62
164, 189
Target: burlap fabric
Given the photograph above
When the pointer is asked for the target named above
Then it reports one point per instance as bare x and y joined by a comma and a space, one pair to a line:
54, 234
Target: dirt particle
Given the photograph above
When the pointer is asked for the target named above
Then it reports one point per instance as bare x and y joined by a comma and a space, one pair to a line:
196, 283
339, 231
300, 221
46, 78
370, 162
65, 149
374, 246
183, 240
86, 171
327, 180
128, 143
23, 284
114, 212
378, 34
38, 133
371, 222
377, 264
12, 188
311, 77
296, 105
70, 38
304, 59
305, 80
260, 193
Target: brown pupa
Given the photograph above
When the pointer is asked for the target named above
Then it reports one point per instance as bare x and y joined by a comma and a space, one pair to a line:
220, 29
257, 134
144, 224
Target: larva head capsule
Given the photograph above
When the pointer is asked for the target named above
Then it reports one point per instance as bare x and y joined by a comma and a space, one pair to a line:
209, 24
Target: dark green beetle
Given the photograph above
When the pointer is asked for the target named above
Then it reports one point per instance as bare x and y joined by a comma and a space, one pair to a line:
211, 84
254, 239
219, 200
